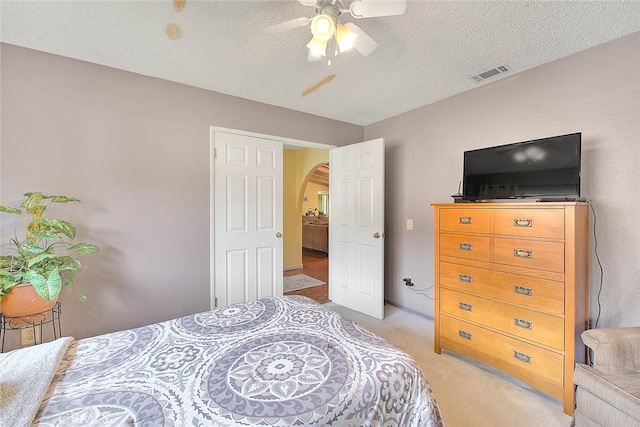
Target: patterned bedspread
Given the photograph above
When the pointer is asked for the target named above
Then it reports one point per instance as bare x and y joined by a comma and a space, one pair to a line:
275, 361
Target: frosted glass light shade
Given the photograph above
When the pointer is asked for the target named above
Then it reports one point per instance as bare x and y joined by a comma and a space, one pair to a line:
322, 27
317, 48
345, 38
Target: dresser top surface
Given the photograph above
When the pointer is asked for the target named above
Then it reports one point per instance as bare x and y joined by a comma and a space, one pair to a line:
468, 205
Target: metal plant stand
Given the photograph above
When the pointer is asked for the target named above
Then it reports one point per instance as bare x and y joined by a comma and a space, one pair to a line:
35, 321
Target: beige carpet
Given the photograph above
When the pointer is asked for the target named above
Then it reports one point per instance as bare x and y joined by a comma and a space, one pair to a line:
469, 394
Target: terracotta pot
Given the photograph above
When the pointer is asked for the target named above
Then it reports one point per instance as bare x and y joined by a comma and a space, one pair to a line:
22, 301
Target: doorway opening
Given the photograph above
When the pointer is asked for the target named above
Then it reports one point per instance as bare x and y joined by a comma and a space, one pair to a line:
311, 277
315, 264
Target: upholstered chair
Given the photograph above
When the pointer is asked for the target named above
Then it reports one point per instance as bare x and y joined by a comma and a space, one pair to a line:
608, 393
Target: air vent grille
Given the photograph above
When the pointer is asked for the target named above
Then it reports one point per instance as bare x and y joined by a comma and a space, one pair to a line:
485, 75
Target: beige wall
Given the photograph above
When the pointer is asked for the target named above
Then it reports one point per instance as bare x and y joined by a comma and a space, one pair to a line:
308, 160
298, 167
596, 92
292, 245
135, 150
311, 193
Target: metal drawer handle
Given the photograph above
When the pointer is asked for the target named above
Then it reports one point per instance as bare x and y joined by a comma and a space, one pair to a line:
464, 334
522, 323
465, 246
522, 253
522, 290
522, 356
465, 278
465, 220
464, 306
518, 222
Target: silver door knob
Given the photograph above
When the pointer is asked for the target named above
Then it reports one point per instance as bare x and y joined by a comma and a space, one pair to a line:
278, 234
376, 235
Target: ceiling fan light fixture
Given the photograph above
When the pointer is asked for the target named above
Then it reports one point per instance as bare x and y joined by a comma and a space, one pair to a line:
317, 47
345, 38
322, 27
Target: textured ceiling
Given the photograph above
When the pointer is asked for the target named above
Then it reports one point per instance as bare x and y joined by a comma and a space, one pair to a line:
423, 56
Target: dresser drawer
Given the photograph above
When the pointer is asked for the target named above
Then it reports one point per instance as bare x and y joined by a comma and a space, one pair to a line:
466, 246
466, 220
534, 365
517, 321
545, 223
547, 256
472, 280
524, 291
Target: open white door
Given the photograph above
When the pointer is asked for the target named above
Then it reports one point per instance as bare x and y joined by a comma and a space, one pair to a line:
356, 233
248, 218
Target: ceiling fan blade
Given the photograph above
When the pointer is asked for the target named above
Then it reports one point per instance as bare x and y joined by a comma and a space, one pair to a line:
364, 43
288, 25
375, 8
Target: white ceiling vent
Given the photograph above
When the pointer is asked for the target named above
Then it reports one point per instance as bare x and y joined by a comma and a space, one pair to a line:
486, 75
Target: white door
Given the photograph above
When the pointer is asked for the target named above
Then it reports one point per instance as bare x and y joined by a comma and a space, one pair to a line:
247, 248
356, 232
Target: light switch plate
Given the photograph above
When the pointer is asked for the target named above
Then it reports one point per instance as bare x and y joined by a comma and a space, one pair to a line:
409, 224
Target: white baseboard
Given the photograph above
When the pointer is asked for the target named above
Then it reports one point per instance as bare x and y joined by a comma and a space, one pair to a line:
410, 310
292, 267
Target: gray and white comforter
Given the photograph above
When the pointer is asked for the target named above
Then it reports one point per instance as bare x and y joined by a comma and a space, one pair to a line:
275, 362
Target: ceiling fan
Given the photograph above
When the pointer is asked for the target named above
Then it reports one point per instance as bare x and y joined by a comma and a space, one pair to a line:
329, 31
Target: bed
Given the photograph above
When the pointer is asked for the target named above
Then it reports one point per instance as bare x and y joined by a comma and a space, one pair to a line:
273, 362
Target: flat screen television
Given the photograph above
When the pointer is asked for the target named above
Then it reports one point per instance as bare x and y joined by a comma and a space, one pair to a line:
541, 168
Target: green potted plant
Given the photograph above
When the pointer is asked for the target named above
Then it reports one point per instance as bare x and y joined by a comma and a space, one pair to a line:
36, 268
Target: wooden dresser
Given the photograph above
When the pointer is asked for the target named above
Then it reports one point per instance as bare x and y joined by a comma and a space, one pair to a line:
512, 288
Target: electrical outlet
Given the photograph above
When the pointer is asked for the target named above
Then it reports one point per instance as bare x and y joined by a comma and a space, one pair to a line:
28, 335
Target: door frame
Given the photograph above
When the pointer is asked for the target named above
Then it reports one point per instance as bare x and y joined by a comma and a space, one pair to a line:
291, 142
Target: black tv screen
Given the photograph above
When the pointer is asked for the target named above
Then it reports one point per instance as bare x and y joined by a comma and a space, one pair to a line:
542, 168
